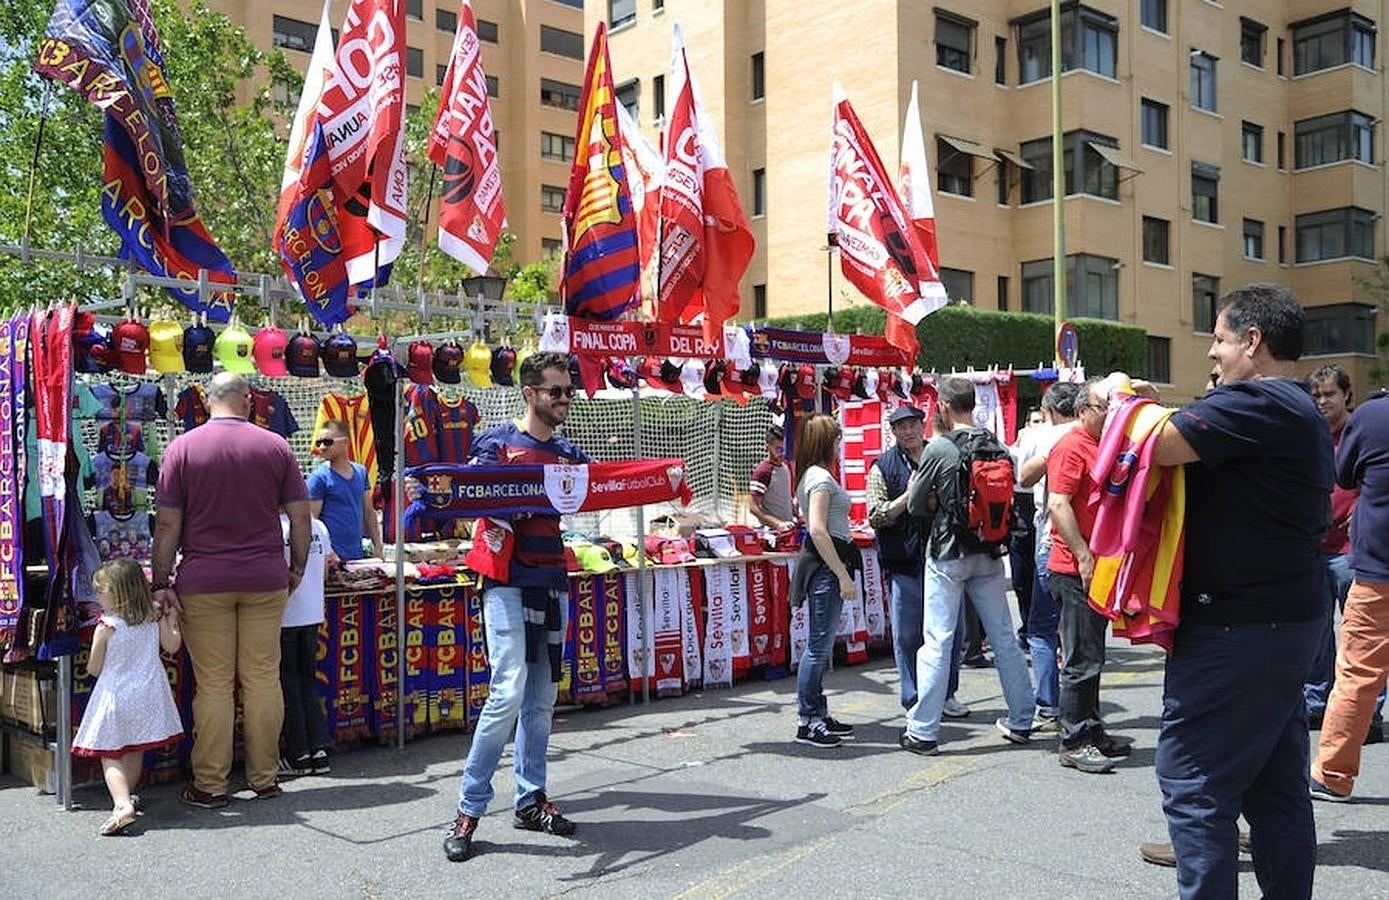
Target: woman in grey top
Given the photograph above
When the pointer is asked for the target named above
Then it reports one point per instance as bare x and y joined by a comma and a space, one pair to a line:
825, 505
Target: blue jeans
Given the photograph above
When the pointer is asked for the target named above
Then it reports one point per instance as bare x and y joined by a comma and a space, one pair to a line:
1234, 740
1044, 639
1322, 674
825, 607
520, 694
907, 603
946, 584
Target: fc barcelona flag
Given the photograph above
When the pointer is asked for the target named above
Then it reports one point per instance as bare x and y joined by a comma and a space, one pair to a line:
310, 243
601, 273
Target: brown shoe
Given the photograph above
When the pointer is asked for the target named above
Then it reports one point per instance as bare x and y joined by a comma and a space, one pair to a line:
458, 844
269, 792
1159, 853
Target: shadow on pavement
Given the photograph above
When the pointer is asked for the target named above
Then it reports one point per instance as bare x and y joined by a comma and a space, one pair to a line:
1359, 849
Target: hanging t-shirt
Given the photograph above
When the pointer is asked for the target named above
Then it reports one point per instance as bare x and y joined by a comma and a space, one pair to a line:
458, 416
191, 407
124, 536
269, 410
355, 413
136, 473
305, 605
141, 402
122, 440
342, 506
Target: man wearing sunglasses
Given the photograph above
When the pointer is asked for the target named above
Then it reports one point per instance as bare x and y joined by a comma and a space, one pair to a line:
525, 602
340, 495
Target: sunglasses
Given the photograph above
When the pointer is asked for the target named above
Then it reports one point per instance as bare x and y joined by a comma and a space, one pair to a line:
555, 391
327, 442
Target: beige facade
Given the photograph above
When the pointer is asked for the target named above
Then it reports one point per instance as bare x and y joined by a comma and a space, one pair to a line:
1290, 145
528, 45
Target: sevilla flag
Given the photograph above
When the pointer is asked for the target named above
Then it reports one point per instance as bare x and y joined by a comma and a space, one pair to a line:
921, 212
706, 242
645, 173
880, 253
362, 111
471, 213
601, 275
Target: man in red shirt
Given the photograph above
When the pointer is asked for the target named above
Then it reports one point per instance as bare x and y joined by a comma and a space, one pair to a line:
1084, 744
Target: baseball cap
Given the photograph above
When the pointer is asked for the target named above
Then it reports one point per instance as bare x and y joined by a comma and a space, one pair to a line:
713, 377
420, 361
448, 359
661, 374
665, 551
767, 379
166, 347
715, 542
617, 552
268, 348
477, 362
339, 355
805, 381
839, 381
129, 341
733, 384
503, 366
197, 348
92, 344
302, 356
747, 541
594, 559
620, 374
233, 350
905, 413
692, 378
383, 369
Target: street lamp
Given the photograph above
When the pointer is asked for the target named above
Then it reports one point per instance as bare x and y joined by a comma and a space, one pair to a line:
484, 287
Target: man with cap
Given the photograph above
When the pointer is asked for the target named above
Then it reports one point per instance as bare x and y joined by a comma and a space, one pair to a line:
769, 486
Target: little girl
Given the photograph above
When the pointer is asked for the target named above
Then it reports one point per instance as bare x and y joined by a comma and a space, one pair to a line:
131, 709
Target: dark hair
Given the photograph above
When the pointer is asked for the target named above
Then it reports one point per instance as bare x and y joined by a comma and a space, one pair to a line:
956, 393
1273, 310
775, 433
533, 367
1060, 398
1334, 373
815, 444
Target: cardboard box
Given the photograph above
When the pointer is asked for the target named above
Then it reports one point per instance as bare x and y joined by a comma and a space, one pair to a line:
32, 762
28, 701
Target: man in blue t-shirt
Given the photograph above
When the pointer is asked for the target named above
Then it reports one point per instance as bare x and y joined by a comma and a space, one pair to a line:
340, 495
1234, 727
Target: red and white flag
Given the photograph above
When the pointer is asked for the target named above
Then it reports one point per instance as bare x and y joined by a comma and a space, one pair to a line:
645, 172
315, 77
921, 212
879, 250
472, 213
362, 111
706, 242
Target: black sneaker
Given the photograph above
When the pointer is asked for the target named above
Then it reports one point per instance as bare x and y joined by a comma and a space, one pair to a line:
542, 815
919, 746
1086, 759
318, 763
293, 768
458, 844
817, 735
1320, 791
841, 730
1010, 734
1113, 748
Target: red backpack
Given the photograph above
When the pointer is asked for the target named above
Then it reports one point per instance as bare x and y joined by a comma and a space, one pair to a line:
982, 514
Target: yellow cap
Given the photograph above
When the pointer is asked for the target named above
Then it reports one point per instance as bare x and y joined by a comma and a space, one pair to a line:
233, 350
521, 355
477, 362
166, 347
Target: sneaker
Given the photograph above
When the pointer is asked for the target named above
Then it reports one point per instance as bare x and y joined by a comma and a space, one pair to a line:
293, 768
1159, 853
1114, 748
542, 815
1045, 724
1011, 734
458, 844
817, 735
194, 797
1375, 735
1314, 721
841, 730
977, 661
137, 804
319, 764
1320, 791
919, 746
954, 709
1086, 759
269, 792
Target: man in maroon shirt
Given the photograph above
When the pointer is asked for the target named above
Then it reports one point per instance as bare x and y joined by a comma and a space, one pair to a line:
220, 492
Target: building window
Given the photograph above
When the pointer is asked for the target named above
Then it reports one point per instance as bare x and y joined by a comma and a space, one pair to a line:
626, 94
1092, 286
1160, 359
494, 86
556, 147
446, 20
1001, 180
759, 192
1253, 239
1205, 293
954, 38
561, 42
414, 9
658, 95
551, 246
1252, 142
1335, 234
1089, 40
293, 34
1282, 152
1203, 80
1278, 49
958, 283
488, 31
759, 76
1251, 41
621, 12
1282, 245
1003, 292
1333, 40
1333, 138
440, 72
1000, 60
1086, 171
759, 301
1205, 193
1339, 328
954, 170
1153, 14
551, 198
1154, 123
1156, 240
576, 4
559, 94
414, 62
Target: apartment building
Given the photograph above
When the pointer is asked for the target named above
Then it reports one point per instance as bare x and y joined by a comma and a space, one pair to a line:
533, 53
1207, 145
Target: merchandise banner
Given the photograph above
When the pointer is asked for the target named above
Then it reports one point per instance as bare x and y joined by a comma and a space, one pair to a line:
449, 625
594, 337
738, 616
825, 348
780, 581
612, 593
669, 592
385, 677
718, 643
760, 601
690, 631
588, 619
873, 588
348, 633
639, 665
416, 665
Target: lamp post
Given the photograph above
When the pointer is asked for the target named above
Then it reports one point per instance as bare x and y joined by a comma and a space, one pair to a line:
1058, 186
485, 287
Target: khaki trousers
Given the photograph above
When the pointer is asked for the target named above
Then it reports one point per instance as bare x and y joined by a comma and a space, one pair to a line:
1362, 661
231, 637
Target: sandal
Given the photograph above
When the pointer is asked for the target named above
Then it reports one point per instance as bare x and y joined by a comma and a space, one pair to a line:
118, 822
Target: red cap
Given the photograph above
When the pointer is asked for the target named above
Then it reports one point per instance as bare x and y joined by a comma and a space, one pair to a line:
805, 381
661, 374
420, 363
733, 384
268, 349
129, 341
839, 381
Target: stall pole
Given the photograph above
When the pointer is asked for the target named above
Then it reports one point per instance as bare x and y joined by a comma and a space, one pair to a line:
63, 763
397, 512
647, 647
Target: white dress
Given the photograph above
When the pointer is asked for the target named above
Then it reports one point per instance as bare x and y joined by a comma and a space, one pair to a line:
131, 707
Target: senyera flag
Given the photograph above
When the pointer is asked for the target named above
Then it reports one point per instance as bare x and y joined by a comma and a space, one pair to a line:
921, 213
111, 55
706, 242
601, 274
645, 172
879, 251
464, 143
362, 111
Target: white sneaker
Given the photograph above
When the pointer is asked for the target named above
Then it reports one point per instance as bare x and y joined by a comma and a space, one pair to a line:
954, 709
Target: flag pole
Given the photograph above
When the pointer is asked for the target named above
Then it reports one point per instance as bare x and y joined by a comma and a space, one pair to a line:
831, 241
1058, 186
34, 163
424, 225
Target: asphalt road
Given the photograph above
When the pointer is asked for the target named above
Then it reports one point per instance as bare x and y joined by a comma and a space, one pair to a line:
704, 796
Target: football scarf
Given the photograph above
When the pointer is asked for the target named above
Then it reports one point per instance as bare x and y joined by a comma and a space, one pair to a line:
640, 663
13, 338
613, 598
874, 596
587, 629
738, 616
693, 669
760, 613
416, 666
718, 644
665, 626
